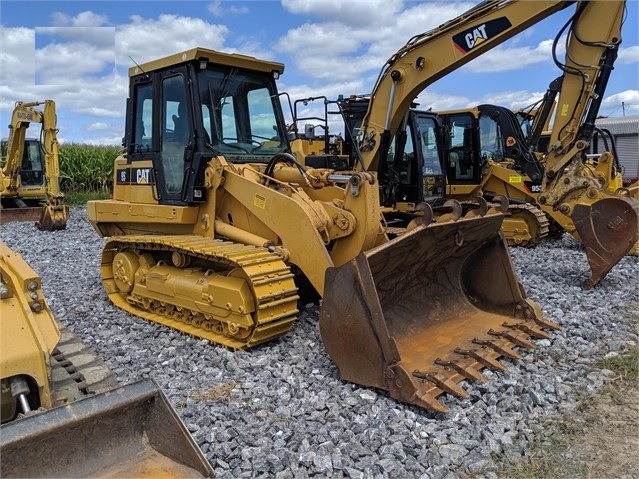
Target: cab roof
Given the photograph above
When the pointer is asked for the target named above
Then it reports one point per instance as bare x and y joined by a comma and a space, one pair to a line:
199, 54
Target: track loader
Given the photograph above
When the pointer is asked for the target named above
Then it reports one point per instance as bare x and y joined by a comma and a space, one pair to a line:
213, 224
30, 170
63, 412
604, 221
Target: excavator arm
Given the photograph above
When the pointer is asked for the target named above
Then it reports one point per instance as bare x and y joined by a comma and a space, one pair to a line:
54, 213
429, 56
607, 224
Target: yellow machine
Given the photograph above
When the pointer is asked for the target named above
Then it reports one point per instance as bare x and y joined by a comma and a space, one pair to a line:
499, 161
399, 145
57, 397
30, 170
212, 221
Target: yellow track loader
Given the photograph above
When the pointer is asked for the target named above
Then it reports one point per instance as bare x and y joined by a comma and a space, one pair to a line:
63, 412
30, 169
213, 222
212, 219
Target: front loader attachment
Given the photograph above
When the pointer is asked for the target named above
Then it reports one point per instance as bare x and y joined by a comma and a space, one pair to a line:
609, 229
131, 431
427, 310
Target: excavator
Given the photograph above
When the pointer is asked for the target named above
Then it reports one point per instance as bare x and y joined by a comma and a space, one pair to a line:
213, 224
501, 161
587, 184
30, 169
57, 397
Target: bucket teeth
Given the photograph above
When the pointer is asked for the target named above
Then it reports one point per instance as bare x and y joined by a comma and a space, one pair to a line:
530, 329
484, 357
465, 370
429, 401
502, 347
519, 338
442, 382
545, 323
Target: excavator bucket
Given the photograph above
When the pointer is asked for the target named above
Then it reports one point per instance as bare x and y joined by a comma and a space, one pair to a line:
609, 229
131, 431
53, 217
429, 309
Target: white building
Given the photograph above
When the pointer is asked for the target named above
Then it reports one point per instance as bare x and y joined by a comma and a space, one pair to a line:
625, 130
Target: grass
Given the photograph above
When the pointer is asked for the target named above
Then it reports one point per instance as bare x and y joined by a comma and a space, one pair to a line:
548, 459
74, 198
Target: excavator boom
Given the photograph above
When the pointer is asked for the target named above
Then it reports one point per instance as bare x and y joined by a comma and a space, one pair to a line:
606, 223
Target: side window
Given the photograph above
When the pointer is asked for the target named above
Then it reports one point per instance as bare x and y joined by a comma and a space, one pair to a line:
143, 127
175, 131
261, 113
460, 159
490, 143
229, 123
408, 160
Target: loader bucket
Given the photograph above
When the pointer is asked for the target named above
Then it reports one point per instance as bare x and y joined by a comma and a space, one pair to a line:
427, 310
131, 431
609, 229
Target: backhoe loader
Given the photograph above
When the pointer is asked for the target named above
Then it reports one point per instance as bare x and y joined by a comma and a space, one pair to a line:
63, 412
30, 170
605, 222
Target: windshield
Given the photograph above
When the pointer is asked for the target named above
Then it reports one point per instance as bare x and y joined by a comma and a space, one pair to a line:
241, 115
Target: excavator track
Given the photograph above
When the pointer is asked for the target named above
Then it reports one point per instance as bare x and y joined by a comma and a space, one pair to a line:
537, 225
231, 294
76, 371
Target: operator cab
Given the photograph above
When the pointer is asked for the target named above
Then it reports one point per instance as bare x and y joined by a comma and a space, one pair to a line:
32, 166
206, 104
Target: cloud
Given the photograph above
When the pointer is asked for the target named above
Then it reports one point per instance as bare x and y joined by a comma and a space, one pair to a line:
348, 12
145, 39
82, 19
100, 37
99, 125
215, 8
628, 55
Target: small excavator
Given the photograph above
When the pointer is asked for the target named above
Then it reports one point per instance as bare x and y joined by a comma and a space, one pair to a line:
30, 169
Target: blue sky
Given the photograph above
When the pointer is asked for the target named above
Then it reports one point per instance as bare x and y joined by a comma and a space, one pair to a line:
78, 52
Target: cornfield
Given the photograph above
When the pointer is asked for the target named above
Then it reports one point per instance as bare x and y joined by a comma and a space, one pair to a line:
87, 168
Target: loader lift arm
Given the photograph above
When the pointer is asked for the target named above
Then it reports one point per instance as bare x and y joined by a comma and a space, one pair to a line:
54, 213
595, 33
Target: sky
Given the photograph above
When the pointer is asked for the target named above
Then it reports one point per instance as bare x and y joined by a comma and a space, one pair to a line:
78, 53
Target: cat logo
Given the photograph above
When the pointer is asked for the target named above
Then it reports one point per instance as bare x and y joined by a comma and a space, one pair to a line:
477, 36
468, 39
143, 176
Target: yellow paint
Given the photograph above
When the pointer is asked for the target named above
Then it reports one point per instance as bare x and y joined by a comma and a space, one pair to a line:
515, 179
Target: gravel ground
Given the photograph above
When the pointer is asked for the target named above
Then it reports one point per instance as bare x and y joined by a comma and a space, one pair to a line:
280, 410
